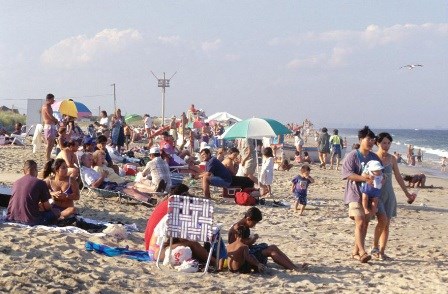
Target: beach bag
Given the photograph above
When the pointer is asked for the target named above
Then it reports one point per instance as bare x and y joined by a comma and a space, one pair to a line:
178, 255
117, 231
130, 170
245, 199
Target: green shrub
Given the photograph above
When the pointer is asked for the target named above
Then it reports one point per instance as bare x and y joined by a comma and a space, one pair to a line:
8, 119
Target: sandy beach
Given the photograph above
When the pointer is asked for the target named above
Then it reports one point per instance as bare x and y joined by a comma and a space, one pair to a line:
39, 261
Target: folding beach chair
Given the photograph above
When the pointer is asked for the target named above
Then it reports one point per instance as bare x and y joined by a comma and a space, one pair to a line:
90, 190
190, 218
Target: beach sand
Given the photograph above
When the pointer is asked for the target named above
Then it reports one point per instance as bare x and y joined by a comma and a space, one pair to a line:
33, 260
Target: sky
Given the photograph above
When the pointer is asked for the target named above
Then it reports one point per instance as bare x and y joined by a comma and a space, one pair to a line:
336, 63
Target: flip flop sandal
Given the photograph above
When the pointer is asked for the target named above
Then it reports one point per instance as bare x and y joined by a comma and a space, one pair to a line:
356, 256
365, 258
384, 257
375, 252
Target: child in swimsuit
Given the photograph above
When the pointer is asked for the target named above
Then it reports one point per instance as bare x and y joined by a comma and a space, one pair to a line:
371, 193
239, 258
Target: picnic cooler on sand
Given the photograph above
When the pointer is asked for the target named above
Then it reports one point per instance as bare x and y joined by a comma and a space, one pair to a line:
230, 192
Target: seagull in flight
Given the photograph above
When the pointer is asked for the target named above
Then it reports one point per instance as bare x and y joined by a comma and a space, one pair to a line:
411, 66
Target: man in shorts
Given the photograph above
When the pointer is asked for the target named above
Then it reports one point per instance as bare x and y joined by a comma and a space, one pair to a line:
216, 174
50, 123
261, 251
249, 158
352, 172
336, 148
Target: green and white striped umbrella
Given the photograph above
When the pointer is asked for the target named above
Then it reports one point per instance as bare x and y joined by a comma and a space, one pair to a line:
255, 128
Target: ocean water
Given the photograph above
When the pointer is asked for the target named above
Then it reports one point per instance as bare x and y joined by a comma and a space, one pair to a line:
433, 144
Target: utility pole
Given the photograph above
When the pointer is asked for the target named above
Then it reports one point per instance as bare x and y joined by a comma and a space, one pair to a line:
163, 83
115, 99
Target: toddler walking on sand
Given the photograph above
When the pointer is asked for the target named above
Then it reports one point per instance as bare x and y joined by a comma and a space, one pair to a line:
371, 193
300, 187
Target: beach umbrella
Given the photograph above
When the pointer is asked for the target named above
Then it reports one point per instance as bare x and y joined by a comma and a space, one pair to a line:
130, 118
223, 117
255, 128
71, 108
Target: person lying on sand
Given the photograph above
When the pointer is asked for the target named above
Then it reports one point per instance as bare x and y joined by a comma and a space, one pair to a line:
416, 181
261, 251
239, 259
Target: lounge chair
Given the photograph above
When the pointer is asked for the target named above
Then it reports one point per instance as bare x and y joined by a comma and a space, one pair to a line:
101, 192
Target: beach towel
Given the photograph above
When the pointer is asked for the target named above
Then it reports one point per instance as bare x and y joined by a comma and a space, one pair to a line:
37, 138
83, 226
117, 251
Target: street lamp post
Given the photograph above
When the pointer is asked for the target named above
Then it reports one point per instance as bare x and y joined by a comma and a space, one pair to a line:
163, 83
115, 99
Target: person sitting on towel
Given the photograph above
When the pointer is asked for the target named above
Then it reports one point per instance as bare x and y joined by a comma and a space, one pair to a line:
63, 189
159, 171
29, 202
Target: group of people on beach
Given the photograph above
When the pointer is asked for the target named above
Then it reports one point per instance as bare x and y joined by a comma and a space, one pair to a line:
368, 190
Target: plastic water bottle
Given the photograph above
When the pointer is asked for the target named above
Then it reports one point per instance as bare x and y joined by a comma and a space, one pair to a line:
151, 254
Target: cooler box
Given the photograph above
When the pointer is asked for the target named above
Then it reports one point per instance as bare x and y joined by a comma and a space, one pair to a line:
130, 170
230, 192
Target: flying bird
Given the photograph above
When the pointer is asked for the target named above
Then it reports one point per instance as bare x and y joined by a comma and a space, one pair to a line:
411, 66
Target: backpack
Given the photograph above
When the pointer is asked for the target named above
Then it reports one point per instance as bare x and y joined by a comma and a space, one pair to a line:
245, 199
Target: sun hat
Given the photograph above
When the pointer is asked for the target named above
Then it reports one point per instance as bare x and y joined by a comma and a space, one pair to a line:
374, 165
154, 150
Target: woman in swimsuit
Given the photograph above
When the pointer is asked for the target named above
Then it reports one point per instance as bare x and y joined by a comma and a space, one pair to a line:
63, 189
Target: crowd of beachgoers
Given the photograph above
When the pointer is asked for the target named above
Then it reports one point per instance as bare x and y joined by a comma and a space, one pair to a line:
148, 163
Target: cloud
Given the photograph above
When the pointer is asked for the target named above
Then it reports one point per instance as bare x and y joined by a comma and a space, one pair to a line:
372, 35
208, 46
340, 44
338, 56
169, 40
308, 62
232, 57
79, 50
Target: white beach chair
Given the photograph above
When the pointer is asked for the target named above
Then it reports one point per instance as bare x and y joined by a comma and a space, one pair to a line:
190, 218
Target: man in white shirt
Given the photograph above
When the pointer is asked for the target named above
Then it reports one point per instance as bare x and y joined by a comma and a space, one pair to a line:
159, 171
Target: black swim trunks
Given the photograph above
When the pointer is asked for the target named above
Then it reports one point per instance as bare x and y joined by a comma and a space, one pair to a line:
257, 251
